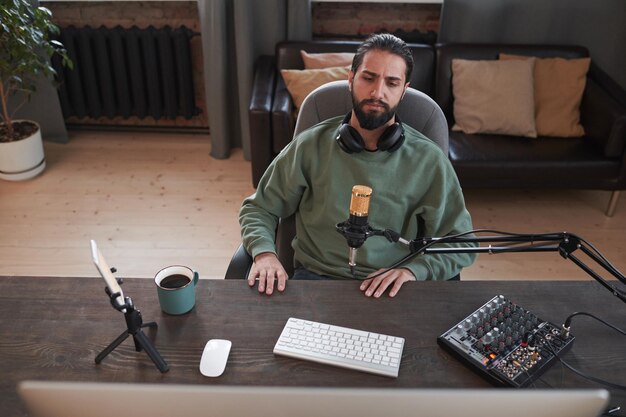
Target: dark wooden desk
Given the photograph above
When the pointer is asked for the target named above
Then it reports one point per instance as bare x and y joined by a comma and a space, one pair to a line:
52, 329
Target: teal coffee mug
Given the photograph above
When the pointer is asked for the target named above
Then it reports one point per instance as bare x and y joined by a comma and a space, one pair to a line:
176, 287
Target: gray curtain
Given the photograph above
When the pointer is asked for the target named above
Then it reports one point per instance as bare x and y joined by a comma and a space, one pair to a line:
234, 34
596, 24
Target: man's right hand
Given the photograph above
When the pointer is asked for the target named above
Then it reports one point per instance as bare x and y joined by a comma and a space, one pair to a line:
267, 269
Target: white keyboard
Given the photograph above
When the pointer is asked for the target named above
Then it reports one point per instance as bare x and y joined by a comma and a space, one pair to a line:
340, 346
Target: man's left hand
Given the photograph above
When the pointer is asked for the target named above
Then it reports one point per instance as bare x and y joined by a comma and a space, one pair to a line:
393, 278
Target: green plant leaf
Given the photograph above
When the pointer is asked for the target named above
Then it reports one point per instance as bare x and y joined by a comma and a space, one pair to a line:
26, 49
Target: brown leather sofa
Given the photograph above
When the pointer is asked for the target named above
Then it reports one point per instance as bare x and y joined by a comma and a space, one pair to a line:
271, 108
595, 161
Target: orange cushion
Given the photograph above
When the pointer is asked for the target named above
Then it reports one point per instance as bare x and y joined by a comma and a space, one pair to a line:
326, 60
493, 97
559, 86
301, 82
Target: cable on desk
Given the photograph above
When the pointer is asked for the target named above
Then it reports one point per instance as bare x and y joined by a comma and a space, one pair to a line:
580, 373
568, 321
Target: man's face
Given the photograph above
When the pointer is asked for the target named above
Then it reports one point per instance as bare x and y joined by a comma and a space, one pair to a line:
377, 88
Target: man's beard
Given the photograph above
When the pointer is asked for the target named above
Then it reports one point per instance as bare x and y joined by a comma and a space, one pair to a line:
372, 120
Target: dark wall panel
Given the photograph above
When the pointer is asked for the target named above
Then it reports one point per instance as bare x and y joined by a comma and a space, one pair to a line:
598, 25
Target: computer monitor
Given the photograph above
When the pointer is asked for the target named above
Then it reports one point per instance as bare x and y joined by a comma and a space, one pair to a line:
73, 399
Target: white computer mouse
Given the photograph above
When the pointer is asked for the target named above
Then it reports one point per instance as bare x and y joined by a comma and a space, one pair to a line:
214, 357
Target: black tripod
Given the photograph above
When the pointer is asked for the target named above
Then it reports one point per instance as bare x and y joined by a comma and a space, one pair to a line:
134, 325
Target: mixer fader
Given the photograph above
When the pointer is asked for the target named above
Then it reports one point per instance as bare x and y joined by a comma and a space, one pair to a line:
506, 343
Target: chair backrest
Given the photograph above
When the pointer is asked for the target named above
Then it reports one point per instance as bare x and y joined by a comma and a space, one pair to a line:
333, 99
416, 110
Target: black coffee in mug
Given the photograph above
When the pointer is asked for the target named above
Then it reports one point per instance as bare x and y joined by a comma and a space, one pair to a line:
175, 281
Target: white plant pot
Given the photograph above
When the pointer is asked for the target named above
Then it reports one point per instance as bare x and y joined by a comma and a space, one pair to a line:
22, 159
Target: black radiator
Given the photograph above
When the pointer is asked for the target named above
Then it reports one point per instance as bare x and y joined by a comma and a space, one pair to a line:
127, 72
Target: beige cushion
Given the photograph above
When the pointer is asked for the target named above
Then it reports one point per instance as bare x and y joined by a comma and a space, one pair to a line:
327, 60
559, 86
494, 97
301, 82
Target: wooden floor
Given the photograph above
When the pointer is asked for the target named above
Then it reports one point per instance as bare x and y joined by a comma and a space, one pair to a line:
152, 200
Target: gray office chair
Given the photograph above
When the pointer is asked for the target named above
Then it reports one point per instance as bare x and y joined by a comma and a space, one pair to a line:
333, 99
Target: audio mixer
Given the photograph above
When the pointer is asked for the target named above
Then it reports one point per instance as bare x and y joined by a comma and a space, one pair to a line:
506, 343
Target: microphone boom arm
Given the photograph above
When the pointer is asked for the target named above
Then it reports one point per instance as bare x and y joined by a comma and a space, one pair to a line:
564, 243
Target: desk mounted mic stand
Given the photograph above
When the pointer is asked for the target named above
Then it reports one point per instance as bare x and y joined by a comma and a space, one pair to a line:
134, 324
564, 243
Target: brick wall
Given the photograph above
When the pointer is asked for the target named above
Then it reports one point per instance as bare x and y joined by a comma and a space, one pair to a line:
141, 14
414, 22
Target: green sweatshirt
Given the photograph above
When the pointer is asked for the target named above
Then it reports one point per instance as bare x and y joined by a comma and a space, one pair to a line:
313, 177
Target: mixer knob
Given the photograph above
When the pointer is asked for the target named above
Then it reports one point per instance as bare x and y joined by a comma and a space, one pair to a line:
467, 324
501, 337
494, 321
482, 313
488, 338
480, 345
529, 325
500, 346
480, 332
500, 315
515, 335
495, 332
508, 331
508, 341
487, 327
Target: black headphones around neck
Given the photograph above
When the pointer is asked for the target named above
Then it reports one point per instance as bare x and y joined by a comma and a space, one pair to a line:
351, 141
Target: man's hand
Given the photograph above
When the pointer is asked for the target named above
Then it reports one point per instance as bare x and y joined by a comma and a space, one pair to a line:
267, 269
377, 286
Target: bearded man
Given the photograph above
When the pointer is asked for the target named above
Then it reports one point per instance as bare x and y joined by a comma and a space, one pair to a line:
313, 176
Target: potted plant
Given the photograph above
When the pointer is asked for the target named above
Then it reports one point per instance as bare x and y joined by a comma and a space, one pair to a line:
26, 47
